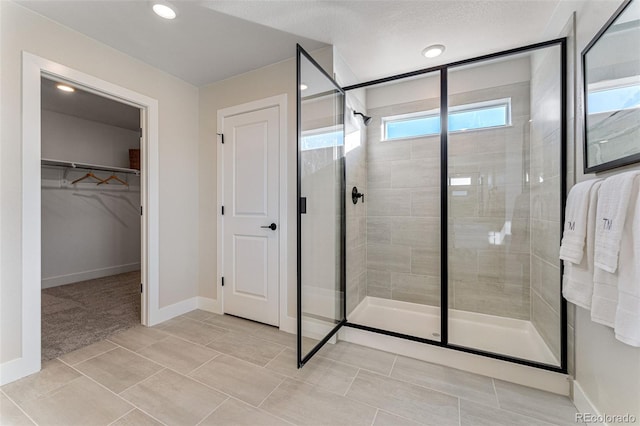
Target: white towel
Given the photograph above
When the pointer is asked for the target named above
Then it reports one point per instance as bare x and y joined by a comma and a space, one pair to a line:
577, 283
604, 302
612, 210
627, 324
575, 222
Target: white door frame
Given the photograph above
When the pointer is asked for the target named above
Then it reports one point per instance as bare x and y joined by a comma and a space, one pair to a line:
281, 102
33, 68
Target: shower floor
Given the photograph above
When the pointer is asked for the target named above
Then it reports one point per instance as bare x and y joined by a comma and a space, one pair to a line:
506, 336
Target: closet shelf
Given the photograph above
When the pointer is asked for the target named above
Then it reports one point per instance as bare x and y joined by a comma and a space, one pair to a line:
86, 166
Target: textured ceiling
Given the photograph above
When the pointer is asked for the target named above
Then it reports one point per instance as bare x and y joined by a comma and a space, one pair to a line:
378, 38
215, 39
200, 46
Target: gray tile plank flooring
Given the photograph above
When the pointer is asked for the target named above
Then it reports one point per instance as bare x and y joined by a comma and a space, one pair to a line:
238, 378
447, 380
401, 398
237, 413
535, 403
189, 379
304, 404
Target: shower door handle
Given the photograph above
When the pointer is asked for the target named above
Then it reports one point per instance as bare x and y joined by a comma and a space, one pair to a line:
273, 227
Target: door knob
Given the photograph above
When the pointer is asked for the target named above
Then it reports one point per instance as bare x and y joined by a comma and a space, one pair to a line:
273, 226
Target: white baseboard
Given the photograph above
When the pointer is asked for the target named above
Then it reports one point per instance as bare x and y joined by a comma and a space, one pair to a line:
583, 403
17, 369
209, 305
289, 324
89, 275
177, 309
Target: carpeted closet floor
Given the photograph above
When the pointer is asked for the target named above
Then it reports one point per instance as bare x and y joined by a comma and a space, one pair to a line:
79, 314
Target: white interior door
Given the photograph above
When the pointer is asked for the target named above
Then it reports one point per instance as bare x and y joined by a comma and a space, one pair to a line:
251, 215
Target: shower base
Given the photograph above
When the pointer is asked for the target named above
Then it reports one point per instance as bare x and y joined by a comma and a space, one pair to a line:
505, 336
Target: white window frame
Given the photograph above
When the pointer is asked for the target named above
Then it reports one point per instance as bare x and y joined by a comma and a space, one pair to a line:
436, 113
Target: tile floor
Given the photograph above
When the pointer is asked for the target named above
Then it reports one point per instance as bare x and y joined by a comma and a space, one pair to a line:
207, 369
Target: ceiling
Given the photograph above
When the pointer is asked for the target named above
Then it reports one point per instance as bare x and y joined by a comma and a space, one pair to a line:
86, 105
211, 40
200, 46
383, 38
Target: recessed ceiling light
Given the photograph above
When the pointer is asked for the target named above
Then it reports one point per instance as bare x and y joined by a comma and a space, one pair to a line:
604, 141
163, 10
65, 88
303, 86
433, 50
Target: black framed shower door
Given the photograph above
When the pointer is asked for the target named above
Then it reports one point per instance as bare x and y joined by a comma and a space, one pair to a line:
321, 220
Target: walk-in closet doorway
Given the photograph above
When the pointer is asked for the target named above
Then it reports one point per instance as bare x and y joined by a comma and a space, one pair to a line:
37, 70
90, 217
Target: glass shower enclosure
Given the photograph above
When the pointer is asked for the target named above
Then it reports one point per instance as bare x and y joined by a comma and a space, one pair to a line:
454, 241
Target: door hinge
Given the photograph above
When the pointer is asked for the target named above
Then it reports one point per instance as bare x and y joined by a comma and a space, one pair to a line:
222, 210
221, 137
140, 210
222, 281
140, 287
141, 132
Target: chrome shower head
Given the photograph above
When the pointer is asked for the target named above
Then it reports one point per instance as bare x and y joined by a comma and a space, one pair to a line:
365, 118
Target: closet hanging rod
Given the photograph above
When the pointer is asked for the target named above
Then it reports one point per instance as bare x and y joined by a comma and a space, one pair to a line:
86, 166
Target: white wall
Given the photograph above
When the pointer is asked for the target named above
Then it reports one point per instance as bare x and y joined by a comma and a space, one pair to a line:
69, 138
88, 231
606, 370
23, 30
262, 83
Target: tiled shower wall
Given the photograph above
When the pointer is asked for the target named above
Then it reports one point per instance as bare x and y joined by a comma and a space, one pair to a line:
545, 197
356, 232
489, 235
403, 211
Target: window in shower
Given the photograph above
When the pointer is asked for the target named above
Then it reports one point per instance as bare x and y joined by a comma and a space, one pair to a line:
425, 123
476, 116
480, 115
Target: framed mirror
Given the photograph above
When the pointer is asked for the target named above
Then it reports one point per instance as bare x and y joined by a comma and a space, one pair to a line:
611, 71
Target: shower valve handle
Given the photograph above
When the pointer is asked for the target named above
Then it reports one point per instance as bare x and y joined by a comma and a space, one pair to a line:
355, 195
